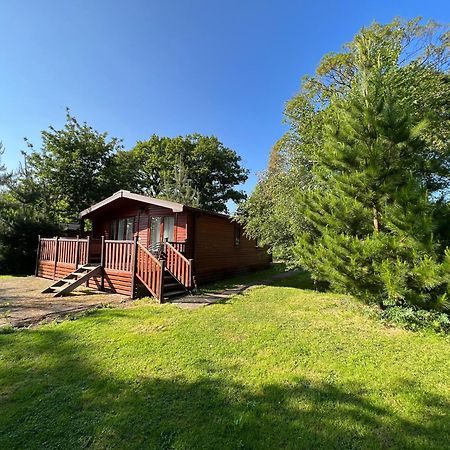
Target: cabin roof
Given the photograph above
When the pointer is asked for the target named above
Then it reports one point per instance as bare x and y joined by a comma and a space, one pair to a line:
122, 194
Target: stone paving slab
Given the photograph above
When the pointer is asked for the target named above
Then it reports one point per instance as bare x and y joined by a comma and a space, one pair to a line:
23, 304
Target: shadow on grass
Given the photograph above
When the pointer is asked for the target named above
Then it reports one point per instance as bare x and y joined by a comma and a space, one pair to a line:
62, 400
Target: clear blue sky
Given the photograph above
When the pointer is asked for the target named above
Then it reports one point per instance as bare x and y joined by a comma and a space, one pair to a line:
134, 68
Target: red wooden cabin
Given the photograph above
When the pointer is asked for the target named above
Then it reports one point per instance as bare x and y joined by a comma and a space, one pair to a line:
137, 240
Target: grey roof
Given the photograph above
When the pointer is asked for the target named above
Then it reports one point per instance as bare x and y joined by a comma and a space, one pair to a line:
175, 207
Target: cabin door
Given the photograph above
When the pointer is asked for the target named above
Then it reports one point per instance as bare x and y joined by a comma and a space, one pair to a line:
162, 229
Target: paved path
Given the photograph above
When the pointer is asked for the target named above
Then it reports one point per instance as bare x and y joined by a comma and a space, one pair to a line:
22, 303
197, 301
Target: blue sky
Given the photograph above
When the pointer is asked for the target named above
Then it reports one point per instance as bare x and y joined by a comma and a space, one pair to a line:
134, 68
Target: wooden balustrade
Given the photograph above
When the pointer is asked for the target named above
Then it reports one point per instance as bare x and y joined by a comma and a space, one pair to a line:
179, 246
121, 262
118, 255
63, 250
149, 271
47, 249
178, 265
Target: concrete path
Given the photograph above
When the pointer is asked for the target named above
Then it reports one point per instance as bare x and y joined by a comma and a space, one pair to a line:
197, 301
22, 303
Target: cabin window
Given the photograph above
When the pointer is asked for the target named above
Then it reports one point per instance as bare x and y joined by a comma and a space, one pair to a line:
113, 230
155, 230
122, 229
129, 222
237, 235
169, 225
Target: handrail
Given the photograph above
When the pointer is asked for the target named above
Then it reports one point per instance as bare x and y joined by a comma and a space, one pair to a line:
150, 271
178, 265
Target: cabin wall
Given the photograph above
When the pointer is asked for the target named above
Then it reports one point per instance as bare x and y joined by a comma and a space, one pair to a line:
216, 255
141, 226
46, 269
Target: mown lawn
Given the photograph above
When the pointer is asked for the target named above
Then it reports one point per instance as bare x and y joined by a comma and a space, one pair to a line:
276, 368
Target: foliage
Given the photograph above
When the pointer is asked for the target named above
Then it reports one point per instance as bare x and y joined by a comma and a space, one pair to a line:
21, 221
275, 368
74, 169
213, 169
417, 319
270, 215
177, 186
367, 211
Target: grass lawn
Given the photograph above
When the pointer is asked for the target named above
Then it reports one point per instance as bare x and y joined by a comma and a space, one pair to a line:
244, 278
277, 368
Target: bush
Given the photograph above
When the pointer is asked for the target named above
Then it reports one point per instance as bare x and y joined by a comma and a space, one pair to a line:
417, 319
18, 243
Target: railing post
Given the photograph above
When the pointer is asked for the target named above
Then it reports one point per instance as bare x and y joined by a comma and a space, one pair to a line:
88, 251
133, 267
56, 256
102, 263
191, 269
161, 281
77, 253
88, 248
38, 254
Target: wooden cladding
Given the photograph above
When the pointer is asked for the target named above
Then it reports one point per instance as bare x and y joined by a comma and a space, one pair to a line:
178, 265
149, 270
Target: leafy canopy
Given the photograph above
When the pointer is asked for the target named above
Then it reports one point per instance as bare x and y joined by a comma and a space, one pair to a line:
211, 169
367, 159
74, 169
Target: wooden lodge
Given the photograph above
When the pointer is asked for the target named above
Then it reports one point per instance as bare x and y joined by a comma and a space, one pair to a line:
141, 244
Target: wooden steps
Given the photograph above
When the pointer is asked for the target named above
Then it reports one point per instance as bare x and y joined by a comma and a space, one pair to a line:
172, 287
73, 280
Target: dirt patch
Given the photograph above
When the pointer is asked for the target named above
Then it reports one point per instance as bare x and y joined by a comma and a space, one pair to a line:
23, 304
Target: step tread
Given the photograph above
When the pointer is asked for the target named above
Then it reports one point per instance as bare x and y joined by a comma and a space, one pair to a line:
173, 293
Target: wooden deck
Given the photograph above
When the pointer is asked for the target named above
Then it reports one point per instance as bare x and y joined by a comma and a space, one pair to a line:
124, 264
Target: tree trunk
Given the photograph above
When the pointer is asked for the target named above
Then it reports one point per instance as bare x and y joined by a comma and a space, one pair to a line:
376, 219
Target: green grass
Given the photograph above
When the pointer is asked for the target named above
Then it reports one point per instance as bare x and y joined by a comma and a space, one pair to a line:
244, 278
276, 368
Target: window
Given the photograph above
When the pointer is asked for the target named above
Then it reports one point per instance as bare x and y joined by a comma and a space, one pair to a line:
122, 229
113, 230
129, 222
155, 230
237, 235
169, 224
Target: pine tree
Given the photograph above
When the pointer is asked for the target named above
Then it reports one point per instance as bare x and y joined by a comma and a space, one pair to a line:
177, 186
369, 217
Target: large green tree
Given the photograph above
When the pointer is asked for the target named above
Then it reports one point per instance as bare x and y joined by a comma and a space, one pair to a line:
21, 220
350, 126
213, 170
74, 168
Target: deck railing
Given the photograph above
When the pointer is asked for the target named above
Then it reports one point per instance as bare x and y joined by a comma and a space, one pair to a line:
122, 256
178, 265
64, 250
179, 246
150, 271
118, 255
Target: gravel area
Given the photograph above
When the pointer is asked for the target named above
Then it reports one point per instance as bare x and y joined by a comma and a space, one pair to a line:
23, 304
